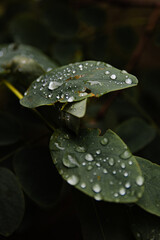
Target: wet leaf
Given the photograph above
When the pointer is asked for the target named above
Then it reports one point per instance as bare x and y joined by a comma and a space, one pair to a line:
76, 82
150, 200
136, 133
77, 109
11, 202
10, 129
100, 166
36, 174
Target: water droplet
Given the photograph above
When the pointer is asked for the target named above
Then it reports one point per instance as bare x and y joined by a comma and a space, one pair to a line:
70, 99
70, 161
80, 149
1, 53
104, 141
115, 194
139, 180
98, 164
98, 151
130, 162
94, 83
127, 185
83, 185
89, 157
114, 172
73, 180
128, 81
122, 191
125, 174
89, 168
96, 188
48, 69
59, 147
98, 197
84, 164
113, 76
123, 165
111, 161
66, 136
105, 170
107, 72
124, 71
126, 154
54, 85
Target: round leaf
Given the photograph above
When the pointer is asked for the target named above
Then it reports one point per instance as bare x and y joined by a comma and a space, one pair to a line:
37, 175
76, 82
150, 200
11, 203
100, 166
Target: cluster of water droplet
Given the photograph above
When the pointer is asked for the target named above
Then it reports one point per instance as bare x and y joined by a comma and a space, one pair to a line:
50, 85
101, 170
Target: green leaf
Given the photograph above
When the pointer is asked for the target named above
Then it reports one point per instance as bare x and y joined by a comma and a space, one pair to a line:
11, 203
37, 175
150, 200
101, 167
22, 58
77, 109
136, 133
76, 82
10, 129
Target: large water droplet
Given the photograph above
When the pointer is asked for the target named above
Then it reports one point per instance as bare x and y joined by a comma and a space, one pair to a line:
122, 191
111, 161
126, 154
96, 188
104, 141
53, 85
89, 157
70, 161
80, 149
73, 180
139, 180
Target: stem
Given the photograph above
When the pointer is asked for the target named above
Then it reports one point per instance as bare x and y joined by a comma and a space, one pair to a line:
20, 96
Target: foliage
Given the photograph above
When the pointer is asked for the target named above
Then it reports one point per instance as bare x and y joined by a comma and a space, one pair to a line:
79, 138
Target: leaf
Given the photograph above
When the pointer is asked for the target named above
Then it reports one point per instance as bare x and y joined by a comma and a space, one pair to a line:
11, 203
37, 175
10, 129
101, 167
18, 56
76, 82
150, 200
77, 109
136, 133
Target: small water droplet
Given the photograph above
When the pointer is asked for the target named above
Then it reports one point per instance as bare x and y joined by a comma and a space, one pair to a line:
115, 194
98, 197
98, 164
130, 162
98, 151
89, 168
105, 170
123, 165
80, 149
70, 161
107, 72
84, 164
73, 180
113, 76
126, 154
104, 141
125, 174
89, 157
114, 172
124, 71
54, 85
94, 83
122, 191
139, 180
83, 185
96, 188
127, 185
70, 99
128, 81
111, 161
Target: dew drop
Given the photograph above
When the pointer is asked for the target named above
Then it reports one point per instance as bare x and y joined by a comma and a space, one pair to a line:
123, 165
54, 85
130, 162
124, 71
89, 168
83, 185
111, 161
126, 154
98, 152
105, 170
89, 157
98, 197
80, 149
70, 99
122, 191
94, 83
114, 172
107, 72
73, 180
113, 76
139, 180
127, 185
104, 141
70, 161
96, 188
115, 194
128, 81
125, 174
